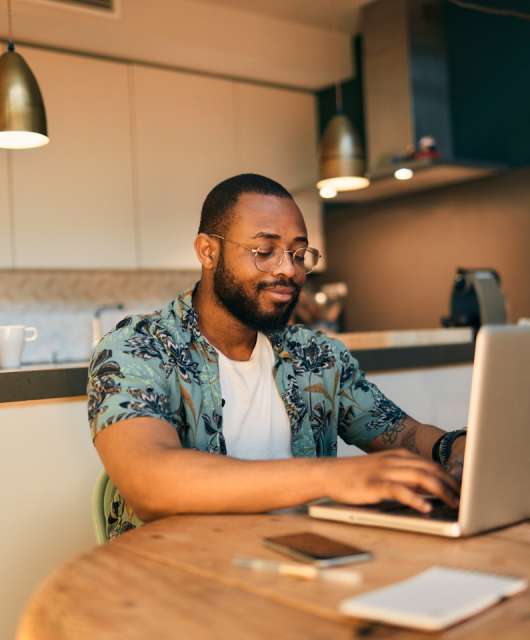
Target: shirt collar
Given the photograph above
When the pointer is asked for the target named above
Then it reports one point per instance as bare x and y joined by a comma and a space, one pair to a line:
185, 312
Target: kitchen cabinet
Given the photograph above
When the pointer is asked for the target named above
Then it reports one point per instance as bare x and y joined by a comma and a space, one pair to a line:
277, 134
185, 145
73, 199
5, 215
134, 151
49, 467
201, 130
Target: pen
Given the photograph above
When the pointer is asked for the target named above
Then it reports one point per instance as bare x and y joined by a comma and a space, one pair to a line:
299, 570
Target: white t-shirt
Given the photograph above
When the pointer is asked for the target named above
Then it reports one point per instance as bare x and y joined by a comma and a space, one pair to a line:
255, 422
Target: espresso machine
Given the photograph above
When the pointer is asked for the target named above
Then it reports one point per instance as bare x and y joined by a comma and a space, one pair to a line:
476, 299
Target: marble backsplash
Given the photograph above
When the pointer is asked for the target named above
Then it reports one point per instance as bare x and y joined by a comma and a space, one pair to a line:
61, 304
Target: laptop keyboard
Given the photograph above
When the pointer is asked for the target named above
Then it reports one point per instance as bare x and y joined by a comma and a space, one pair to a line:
440, 511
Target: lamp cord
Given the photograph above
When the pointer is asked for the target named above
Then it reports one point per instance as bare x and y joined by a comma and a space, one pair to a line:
10, 43
338, 97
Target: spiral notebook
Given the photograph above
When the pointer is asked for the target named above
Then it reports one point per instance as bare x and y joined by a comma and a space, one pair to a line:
434, 599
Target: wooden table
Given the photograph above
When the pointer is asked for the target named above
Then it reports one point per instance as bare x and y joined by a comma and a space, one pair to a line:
174, 578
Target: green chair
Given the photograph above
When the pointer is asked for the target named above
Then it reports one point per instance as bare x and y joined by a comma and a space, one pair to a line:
98, 507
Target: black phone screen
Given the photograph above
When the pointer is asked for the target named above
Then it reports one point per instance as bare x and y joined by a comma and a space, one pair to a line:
313, 546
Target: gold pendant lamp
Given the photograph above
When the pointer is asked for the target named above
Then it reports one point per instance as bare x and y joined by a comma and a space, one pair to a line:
342, 162
22, 113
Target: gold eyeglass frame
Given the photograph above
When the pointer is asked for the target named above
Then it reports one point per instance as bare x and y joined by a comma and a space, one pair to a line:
255, 252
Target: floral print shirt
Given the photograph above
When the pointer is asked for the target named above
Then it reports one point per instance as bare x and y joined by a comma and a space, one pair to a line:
159, 365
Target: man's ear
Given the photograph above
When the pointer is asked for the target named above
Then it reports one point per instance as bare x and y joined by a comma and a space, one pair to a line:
207, 250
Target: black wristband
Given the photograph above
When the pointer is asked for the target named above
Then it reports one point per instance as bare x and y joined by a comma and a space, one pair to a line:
441, 450
446, 445
435, 455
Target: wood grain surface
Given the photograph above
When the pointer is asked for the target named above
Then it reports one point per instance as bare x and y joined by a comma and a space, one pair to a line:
175, 578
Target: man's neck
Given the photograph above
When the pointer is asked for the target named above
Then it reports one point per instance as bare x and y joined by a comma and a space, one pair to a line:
222, 330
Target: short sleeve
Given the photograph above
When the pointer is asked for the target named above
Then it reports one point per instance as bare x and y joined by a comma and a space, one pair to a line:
364, 412
125, 381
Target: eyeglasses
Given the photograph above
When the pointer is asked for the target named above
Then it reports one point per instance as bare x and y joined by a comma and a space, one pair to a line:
269, 259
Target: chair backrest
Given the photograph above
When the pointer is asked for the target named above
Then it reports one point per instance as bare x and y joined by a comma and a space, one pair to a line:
98, 507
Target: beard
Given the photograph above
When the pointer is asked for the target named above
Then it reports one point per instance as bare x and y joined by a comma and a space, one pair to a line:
245, 306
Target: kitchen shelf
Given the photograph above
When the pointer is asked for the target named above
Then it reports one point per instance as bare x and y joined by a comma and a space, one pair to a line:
428, 174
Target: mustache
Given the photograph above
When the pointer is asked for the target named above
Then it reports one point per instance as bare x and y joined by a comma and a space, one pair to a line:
281, 282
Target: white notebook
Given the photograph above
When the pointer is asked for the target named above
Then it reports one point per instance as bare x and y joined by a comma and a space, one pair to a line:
434, 599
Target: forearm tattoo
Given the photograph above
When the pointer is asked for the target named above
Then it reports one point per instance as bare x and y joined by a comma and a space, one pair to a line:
455, 466
409, 440
390, 434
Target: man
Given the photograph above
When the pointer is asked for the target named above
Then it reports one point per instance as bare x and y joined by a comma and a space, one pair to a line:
218, 371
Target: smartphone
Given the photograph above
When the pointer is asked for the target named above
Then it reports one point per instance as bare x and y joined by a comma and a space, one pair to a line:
317, 550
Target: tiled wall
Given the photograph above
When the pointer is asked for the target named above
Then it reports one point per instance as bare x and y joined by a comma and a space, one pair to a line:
61, 304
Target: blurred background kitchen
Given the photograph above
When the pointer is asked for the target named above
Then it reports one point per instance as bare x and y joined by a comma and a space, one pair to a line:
150, 104
411, 116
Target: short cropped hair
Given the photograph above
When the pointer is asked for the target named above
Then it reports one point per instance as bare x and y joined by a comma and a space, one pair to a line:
216, 213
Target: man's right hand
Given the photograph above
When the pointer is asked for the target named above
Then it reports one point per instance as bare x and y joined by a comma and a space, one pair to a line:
390, 475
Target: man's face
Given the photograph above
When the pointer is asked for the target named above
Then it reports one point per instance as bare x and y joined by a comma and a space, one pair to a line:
261, 301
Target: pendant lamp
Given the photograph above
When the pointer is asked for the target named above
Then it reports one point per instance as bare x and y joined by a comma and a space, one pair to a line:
342, 163
22, 114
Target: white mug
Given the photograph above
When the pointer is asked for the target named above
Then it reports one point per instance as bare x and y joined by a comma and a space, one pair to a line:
12, 339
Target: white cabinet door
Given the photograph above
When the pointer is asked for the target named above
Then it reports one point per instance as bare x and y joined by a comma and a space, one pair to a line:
6, 259
73, 199
277, 135
46, 447
185, 145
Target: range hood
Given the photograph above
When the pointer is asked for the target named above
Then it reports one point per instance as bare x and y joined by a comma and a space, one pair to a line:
407, 95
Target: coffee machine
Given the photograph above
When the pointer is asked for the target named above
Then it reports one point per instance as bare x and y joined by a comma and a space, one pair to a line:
476, 299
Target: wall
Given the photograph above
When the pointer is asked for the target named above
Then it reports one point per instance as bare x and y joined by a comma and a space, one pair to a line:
192, 35
61, 304
399, 257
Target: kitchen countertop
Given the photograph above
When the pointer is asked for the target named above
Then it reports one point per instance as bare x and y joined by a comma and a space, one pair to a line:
404, 338
44, 381
66, 380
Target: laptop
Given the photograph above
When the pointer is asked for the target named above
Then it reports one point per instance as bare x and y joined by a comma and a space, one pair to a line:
495, 488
